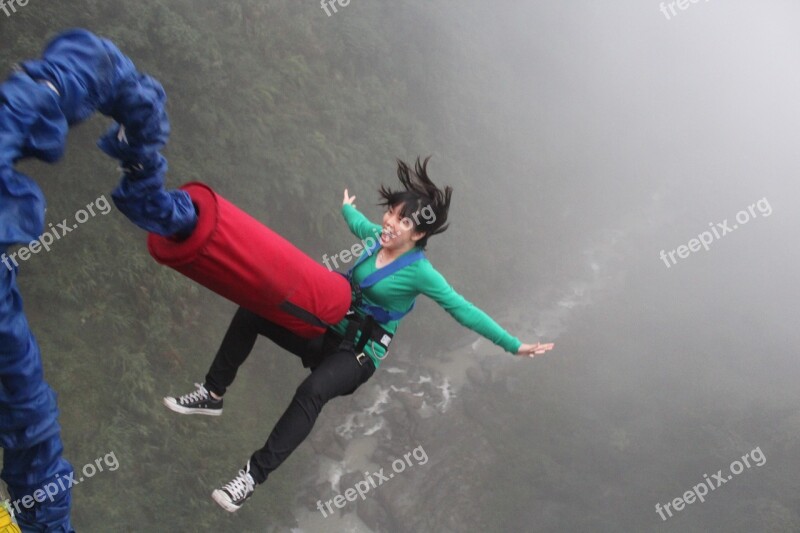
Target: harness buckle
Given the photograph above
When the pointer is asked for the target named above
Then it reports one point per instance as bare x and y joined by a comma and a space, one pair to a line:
361, 358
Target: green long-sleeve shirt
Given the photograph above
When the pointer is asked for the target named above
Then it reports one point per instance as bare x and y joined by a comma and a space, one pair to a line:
397, 292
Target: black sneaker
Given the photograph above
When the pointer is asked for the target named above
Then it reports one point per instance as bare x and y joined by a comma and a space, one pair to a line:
198, 402
232, 495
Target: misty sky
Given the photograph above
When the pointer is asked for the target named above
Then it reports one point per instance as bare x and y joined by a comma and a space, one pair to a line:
627, 133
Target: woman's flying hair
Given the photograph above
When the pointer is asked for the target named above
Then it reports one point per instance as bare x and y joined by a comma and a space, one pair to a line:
424, 204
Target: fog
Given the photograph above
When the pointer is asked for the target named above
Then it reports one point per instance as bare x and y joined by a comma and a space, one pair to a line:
626, 133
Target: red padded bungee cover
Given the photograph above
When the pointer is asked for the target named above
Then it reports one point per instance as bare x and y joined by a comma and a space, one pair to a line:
240, 258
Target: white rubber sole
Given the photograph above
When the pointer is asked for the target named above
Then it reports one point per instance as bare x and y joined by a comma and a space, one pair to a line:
173, 406
222, 500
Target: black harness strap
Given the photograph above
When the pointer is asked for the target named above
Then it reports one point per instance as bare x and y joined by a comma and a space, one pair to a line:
302, 314
370, 330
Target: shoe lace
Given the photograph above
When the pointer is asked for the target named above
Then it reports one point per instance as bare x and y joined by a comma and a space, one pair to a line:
200, 394
240, 486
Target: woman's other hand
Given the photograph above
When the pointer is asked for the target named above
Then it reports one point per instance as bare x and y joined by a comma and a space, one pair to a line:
348, 199
531, 350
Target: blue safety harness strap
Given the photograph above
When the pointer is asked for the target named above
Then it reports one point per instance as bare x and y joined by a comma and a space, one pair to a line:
370, 324
381, 315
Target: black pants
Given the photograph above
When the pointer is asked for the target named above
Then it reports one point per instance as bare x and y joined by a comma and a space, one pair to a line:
334, 372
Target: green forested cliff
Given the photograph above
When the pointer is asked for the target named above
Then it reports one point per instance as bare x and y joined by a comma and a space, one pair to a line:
277, 106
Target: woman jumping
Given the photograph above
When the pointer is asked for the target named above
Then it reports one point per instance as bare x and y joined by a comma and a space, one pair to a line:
386, 279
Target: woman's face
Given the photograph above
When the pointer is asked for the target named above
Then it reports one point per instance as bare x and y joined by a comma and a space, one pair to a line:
398, 232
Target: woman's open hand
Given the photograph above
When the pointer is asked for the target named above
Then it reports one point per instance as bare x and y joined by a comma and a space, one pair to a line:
348, 199
531, 350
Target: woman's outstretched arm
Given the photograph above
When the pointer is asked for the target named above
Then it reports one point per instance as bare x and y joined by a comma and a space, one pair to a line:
436, 287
